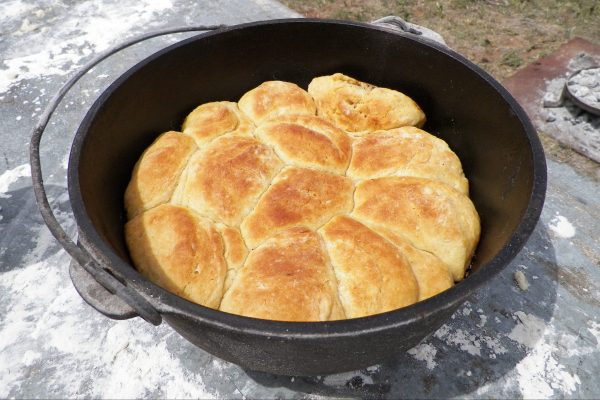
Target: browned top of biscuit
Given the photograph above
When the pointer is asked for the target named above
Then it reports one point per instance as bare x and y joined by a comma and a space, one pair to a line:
156, 174
429, 214
360, 108
406, 151
287, 278
179, 251
307, 141
273, 98
212, 120
297, 197
223, 181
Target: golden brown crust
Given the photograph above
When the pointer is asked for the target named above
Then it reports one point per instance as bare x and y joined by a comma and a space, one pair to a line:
274, 98
226, 214
155, 175
215, 119
307, 141
297, 197
432, 274
179, 251
430, 215
224, 180
373, 275
406, 151
287, 278
360, 108
235, 251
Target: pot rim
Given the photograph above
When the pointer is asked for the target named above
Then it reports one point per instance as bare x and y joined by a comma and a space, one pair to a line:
171, 304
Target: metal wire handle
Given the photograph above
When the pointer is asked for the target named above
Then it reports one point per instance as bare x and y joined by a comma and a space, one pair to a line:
421, 32
398, 23
79, 254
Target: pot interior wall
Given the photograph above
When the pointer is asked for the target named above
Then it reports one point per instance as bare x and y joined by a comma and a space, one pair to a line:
461, 106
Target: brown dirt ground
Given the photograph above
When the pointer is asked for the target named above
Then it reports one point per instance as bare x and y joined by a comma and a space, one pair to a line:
501, 36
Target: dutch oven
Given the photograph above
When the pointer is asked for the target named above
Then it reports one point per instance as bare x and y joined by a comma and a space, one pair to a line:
499, 149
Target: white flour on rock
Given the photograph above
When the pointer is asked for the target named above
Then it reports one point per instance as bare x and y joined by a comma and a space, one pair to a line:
562, 227
539, 374
43, 314
94, 27
425, 352
470, 342
7, 178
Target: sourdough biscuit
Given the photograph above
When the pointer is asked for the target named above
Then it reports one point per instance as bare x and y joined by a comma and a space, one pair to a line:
432, 274
431, 215
361, 108
224, 180
287, 278
212, 120
297, 197
180, 251
307, 141
275, 98
406, 151
157, 172
373, 275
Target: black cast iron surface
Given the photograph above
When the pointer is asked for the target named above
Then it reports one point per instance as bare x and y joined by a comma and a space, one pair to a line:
501, 155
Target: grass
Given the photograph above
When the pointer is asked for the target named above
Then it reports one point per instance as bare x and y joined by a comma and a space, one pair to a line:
512, 59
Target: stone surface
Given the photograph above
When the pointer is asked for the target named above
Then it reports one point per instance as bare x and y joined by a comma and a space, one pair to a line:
505, 342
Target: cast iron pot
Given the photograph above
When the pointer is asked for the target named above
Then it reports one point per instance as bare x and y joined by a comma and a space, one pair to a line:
501, 155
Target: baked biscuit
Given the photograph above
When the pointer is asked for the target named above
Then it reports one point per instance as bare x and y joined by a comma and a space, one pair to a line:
180, 251
307, 141
373, 275
432, 216
273, 98
361, 108
287, 278
432, 274
157, 172
297, 197
215, 119
406, 151
224, 180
